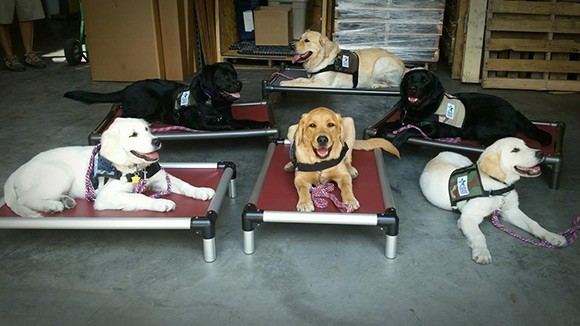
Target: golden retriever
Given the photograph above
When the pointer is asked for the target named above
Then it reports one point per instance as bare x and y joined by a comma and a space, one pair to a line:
378, 68
51, 180
500, 166
318, 142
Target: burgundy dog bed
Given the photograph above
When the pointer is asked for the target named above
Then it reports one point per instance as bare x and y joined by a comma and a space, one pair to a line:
552, 151
257, 111
274, 198
189, 213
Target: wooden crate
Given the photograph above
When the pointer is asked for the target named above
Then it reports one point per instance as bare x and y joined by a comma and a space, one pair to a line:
532, 45
411, 29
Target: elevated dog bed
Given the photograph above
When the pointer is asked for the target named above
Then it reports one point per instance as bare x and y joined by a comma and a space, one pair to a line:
286, 73
189, 214
552, 151
274, 198
257, 111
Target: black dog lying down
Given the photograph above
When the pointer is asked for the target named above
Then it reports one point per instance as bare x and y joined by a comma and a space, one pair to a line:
205, 104
470, 116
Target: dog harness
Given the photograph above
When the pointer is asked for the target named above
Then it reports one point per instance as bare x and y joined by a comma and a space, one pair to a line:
465, 184
104, 168
315, 167
451, 111
346, 62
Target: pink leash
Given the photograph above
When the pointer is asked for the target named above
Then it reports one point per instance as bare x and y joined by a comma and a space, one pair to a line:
571, 233
174, 128
453, 140
277, 73
321, 192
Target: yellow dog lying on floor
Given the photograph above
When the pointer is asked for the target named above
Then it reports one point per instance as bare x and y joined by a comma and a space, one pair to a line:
323, 141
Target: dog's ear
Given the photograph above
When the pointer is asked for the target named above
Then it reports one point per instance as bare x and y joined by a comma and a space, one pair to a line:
292, 132
327, 45
438, 89
299, 134
490, 163
111, 147
348, 132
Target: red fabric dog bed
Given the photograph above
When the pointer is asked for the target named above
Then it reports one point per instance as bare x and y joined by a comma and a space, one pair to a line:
274, 198
188, 214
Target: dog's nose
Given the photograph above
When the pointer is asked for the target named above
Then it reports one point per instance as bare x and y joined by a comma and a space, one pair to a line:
322, 140
413, 89
156, 142
539, 154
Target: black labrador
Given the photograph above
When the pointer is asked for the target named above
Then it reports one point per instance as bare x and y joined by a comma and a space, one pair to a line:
205, 104
471, 116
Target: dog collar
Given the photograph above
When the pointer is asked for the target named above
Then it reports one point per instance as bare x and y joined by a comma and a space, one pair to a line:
320, 166
465, 183
345, 62
105, 168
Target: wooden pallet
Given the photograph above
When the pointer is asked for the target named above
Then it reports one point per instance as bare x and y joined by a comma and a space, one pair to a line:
532, 45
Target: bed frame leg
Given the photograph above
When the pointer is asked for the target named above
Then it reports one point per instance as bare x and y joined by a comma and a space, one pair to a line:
391, 246
249, 242
232, 189
555, 177
209, 253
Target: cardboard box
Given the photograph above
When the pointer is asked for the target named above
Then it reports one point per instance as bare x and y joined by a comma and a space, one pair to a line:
132, 40
273, 25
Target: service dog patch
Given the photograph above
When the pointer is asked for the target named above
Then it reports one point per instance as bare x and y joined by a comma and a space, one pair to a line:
451, 111
464, 184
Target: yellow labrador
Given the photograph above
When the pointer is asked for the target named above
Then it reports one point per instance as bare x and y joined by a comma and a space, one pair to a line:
500, 166
322, 152
51, 180
377, 68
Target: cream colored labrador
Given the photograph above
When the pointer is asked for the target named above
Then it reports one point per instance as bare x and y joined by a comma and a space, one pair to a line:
319, 138
51, 180
500, 165
378, 68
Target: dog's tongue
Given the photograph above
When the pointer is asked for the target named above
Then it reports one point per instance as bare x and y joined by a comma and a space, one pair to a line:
235, 95
531, 171
412, 99
296, 58
322, 152
150, 156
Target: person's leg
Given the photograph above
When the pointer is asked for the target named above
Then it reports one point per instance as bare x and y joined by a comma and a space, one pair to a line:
6, 40
27, 33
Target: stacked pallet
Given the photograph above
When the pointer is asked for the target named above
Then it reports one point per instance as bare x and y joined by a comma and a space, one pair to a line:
532, 45
411, 29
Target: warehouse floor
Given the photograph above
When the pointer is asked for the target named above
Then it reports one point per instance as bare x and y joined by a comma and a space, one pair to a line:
299, 274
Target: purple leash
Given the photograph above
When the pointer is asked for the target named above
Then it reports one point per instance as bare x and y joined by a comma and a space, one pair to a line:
321, 192
571, 233
453, 140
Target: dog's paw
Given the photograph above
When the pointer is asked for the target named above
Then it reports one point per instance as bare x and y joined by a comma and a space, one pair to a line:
353, 172
53, 206
163, 205
68, 201
289, 167
305, 206
555, 239
201, 193
353, 203
481, 256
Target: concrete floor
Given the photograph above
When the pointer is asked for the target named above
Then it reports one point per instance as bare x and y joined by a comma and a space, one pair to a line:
299, 274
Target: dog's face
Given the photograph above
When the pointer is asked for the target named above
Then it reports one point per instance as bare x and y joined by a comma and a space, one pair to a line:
313, 48
509, 158
319, 135
220, 81
129, 142
420, 89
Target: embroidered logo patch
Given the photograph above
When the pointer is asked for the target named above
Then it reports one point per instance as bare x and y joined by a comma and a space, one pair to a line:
462, 187
345, 61
464, 184
184, 98
450, 111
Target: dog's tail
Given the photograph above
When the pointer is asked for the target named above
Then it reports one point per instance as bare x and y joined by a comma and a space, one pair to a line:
372, 143
11, 198
92, 97
531, 130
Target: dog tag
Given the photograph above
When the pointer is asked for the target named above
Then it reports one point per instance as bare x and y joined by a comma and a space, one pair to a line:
184, 98
135, 179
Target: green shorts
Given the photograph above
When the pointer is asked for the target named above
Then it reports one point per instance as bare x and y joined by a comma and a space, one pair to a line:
25, 10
